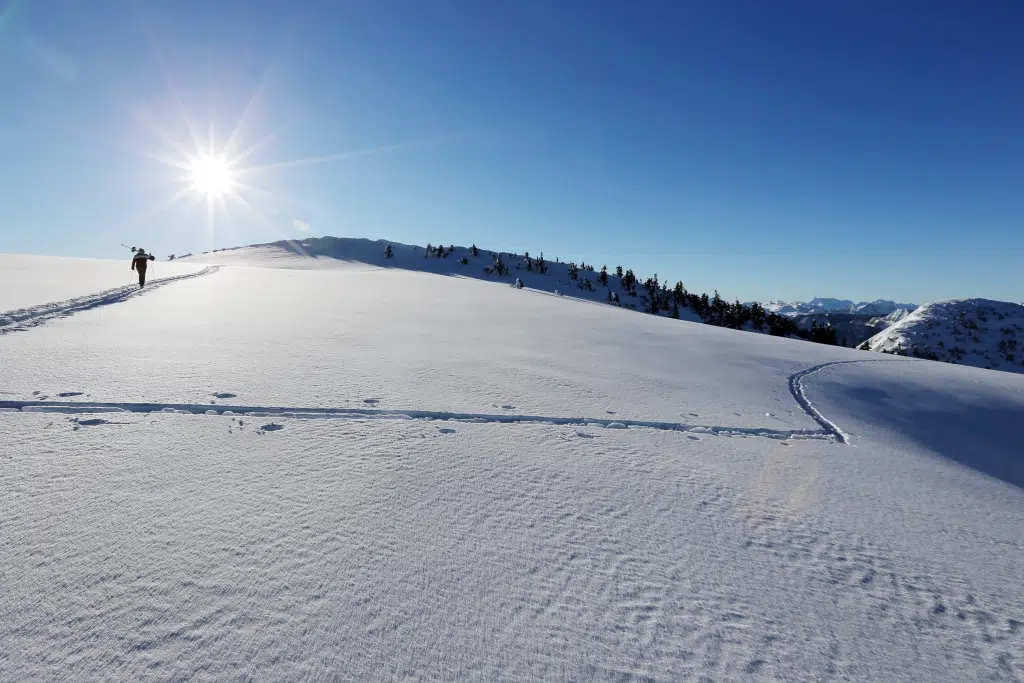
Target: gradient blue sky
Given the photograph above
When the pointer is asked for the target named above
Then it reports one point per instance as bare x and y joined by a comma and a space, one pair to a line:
771, 150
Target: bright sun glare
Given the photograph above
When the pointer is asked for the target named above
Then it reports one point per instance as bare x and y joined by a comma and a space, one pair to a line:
223, 175
211, 176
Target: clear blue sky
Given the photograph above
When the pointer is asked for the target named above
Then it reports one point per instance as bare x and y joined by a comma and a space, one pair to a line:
768, 149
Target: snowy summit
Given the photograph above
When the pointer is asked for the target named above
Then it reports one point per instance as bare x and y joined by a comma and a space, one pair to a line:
977, 332
885, 321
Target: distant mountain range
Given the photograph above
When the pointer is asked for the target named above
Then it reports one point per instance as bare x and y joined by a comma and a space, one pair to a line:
823, 305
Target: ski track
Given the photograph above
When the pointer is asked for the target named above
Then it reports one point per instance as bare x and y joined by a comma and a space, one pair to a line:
829, 431
372, 413
796, 388
23, 319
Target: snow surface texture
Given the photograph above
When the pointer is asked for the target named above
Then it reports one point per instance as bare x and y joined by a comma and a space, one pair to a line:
977, 332
270, 474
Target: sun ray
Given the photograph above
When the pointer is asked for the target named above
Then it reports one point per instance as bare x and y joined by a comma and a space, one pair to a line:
233, 139
262, 142
288, 199
165, 137
165, 160
309, 161
162, 66
160, 208
210, 229
274, 229
119, 145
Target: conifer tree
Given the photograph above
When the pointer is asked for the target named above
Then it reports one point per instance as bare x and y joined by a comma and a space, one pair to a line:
679, 293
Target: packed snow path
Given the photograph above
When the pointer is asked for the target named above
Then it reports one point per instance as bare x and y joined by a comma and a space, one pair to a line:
26, 318
151, 531
369, 413
796, 387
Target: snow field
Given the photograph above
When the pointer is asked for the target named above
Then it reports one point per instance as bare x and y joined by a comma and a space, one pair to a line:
412, 341
350, 474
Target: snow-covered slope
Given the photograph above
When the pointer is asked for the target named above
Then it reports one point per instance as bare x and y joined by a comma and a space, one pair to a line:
977, 332
352, 473
886, 321
348, 253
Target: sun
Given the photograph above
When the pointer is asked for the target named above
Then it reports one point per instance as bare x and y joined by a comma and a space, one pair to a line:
211, 176
220, 175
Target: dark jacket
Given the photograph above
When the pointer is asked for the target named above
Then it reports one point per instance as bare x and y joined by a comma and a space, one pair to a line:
140, 259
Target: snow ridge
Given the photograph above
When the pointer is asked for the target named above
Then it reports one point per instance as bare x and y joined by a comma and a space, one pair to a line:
64, 407
25, 318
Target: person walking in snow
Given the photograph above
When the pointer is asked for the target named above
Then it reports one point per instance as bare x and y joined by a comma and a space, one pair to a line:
139, 263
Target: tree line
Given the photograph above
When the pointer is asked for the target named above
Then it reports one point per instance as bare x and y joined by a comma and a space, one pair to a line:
657, 298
